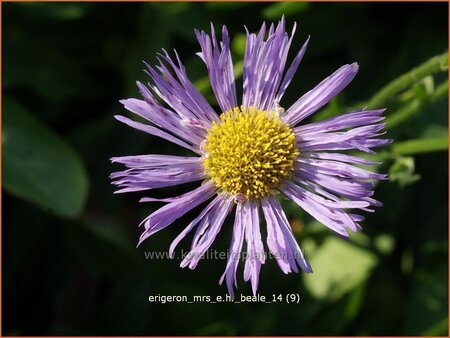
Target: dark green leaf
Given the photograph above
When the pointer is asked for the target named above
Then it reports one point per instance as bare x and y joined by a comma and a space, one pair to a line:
39, 166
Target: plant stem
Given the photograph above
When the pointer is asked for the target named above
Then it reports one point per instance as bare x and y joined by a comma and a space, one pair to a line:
426, 145
434, 65
413, 107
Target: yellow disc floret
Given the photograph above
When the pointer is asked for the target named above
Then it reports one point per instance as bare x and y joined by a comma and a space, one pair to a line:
249, 152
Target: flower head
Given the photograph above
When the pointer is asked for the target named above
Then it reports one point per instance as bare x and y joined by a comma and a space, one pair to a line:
248, 154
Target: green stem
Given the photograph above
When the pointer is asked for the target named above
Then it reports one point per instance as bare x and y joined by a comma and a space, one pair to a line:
426, 145
434, 65
415, 106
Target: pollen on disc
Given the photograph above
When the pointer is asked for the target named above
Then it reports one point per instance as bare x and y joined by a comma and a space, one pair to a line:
249, 152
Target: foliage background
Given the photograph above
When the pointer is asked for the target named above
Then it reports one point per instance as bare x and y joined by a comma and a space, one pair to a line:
69, 260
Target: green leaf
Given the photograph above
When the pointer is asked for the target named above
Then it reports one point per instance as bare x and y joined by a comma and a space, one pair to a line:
39, 166
339, 266
277, 10
421, 146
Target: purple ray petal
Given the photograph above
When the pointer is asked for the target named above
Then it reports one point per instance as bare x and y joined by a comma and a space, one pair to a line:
328, 216
321, 94
166, 215
340, 157
163, 118
276, 241
349, 188
318, 194
344, 121
292, 70
280, 239
367, 132
362, 144
339, 169
217, 57
156, 171
177, 91
235, 250
152, 161
212, 207
264, 64
150, 112
255, 248
156, 132
207, 231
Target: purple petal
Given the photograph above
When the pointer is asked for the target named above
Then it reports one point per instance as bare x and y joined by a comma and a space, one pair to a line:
292, 69
156, 132
164, 118
362, 144
235, 251
321, 94
217, 57
324, 197
178, 92
339, 169
314, 139
206, 213
330, 217
283, 242
149, 111
280, 239
255, 248
264, 64
349, 188
207, 231
156, 171
152, 161
340, 157
344, 121
166, 215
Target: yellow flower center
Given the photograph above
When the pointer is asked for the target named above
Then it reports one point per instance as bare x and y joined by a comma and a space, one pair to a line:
249, 152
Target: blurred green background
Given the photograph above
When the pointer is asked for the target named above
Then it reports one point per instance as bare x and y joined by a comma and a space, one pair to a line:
70, 265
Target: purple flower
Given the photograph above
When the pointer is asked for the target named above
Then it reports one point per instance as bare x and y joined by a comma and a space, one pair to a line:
247, 155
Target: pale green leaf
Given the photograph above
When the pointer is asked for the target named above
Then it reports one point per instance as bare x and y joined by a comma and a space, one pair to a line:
338, 266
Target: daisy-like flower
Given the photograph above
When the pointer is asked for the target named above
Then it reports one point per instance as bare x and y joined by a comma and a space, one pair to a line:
248, 154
